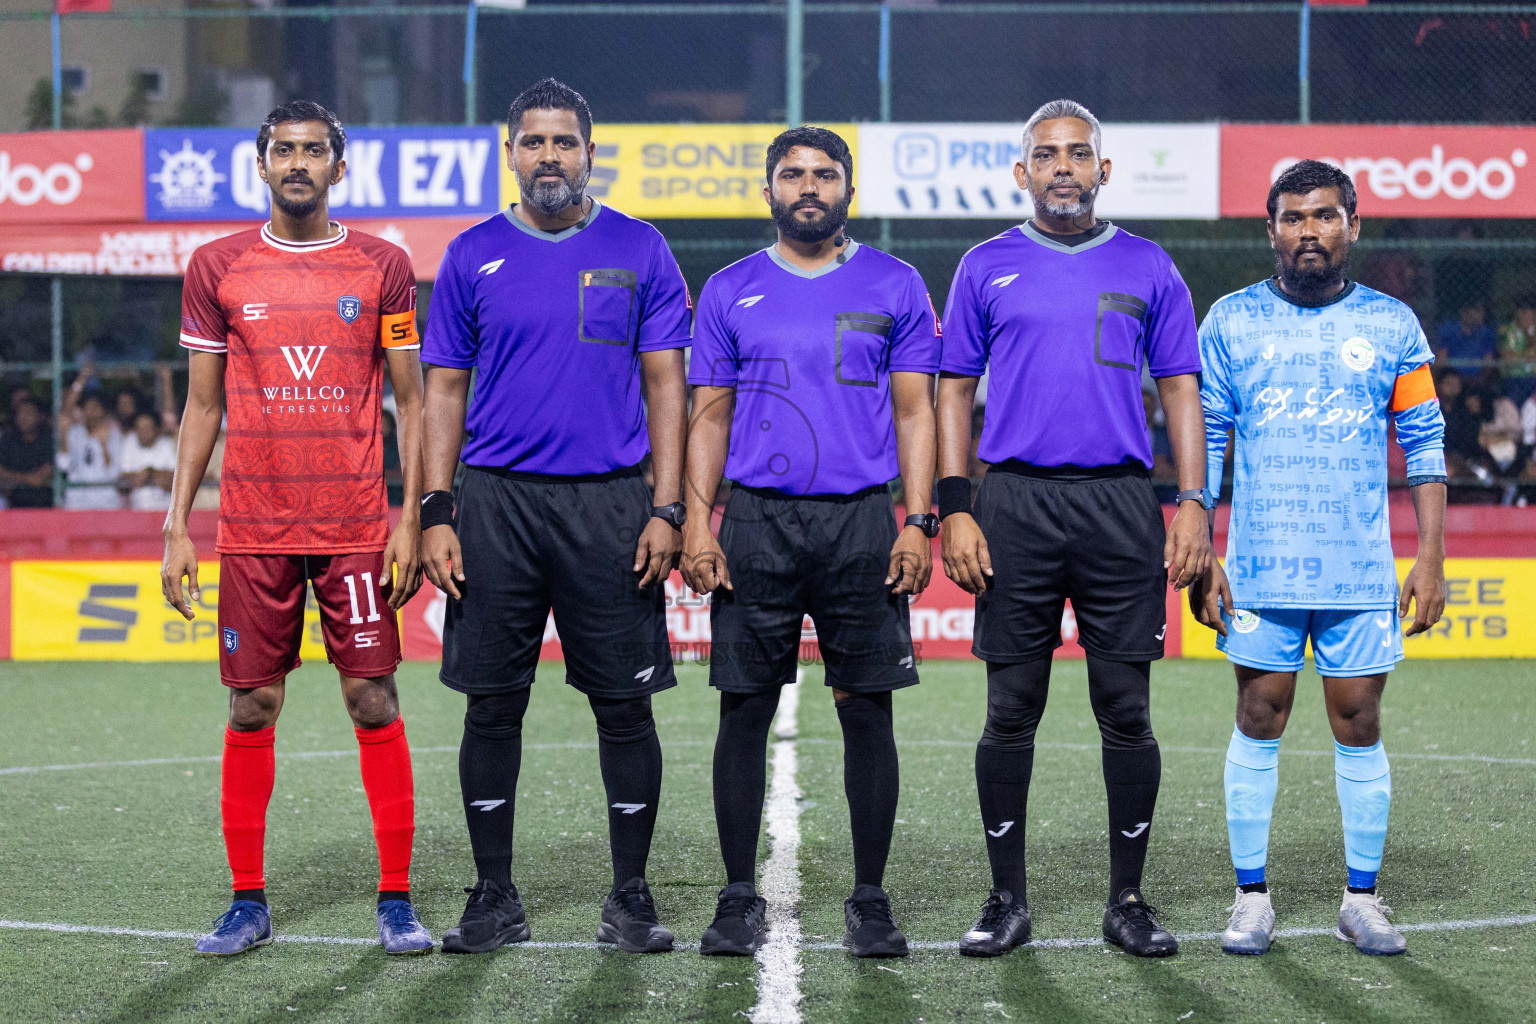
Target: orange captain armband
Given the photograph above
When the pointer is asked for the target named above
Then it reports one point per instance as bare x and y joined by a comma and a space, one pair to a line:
398, 330
1413, 388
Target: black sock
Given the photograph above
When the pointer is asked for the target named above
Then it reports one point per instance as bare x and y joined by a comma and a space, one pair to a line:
1131, 778
1371, 891
1005, 760
1002, 783
490, 757
385, 895
741, 778
871, 781
254, 895
1254, 887
630, 755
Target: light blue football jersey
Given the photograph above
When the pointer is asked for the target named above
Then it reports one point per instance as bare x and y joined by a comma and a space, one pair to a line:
1307, 390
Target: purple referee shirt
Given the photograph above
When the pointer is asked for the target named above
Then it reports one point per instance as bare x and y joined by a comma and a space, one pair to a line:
1065, 331
554, 323
810, 355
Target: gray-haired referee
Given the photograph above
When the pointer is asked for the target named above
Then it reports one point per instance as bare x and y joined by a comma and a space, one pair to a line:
1065, 309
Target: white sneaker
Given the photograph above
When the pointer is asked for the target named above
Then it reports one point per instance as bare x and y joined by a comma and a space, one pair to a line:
1252, 927
1363, 921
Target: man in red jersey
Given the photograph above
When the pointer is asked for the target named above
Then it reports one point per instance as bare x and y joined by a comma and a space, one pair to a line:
291, 324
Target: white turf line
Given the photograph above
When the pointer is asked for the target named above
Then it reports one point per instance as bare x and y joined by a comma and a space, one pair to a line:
778, 958
1068, 943
300, 754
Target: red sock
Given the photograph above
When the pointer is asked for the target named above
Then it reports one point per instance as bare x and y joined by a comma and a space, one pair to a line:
246, 788
385, 759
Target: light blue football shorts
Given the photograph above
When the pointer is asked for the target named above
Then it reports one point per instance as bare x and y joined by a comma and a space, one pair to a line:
1346, 642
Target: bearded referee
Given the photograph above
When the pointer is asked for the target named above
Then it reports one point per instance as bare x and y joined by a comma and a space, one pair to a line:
812, 368
1065, 310
575, 318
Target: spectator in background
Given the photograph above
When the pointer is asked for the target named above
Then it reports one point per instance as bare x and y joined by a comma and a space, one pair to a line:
92, 449
1467, 341
1527, 489
394, 482
1165, 478
1462, 425
125, 409
26, 457
149, 463
1517, 350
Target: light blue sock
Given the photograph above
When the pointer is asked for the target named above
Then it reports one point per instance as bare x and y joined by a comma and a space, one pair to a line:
1364, 781
1251, 778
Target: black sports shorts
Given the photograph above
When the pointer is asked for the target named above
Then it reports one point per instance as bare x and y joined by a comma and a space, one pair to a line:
825, 556
532, 543
1095, 536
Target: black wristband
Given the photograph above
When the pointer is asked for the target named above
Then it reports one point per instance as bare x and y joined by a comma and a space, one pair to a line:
1427, 478
436, 509
954, 495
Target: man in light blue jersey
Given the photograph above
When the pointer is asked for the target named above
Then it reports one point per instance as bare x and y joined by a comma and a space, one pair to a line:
1306, 368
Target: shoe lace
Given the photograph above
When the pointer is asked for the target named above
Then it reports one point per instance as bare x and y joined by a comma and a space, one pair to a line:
1373, 906
483, 895
993, 913
1247, 914
1141, 913
637, 904
234, 918
873, 908
399, 916
736, 906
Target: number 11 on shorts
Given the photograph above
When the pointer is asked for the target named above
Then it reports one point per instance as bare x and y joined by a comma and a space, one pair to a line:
373, 607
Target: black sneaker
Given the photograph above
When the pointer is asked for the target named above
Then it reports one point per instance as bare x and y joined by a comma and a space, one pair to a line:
1004, 924
629, 920
740, 925
1132, 925
493, 917
872, 928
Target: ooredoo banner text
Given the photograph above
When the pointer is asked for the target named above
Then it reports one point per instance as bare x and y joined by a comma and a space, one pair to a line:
1398, 170
71, 177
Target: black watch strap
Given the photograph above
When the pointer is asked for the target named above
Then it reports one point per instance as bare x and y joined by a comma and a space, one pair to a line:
675, 513
925, 521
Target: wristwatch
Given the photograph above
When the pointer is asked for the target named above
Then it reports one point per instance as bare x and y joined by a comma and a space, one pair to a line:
675, 513
1204, 496
925, 521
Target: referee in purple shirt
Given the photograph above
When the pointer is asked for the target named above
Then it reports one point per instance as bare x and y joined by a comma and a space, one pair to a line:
573, 319
813, 364
1065, 310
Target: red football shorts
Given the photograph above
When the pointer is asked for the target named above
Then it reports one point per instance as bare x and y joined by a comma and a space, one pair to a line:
261, 616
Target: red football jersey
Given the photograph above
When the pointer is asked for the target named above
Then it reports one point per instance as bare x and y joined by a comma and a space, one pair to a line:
303, 327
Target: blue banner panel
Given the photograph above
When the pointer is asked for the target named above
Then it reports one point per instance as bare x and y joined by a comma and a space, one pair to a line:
437, 171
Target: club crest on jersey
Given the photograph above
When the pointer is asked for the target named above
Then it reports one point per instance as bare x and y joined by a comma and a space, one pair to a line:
231, 639
349, 307
1358, 354
1245, 621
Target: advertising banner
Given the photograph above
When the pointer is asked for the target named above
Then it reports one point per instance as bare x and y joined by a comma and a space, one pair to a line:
163, 250
426, 171
1486, 601
1158, 171
114, 611
683, 170
70, 177
1398, 170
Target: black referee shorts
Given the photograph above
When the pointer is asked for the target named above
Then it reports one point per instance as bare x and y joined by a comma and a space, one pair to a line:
1094, 536
826, 557
567, 543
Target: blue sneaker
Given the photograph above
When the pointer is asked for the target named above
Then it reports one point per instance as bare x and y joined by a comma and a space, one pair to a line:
246, 925
399, 931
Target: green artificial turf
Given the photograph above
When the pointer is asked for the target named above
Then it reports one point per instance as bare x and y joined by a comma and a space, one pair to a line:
138, 846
